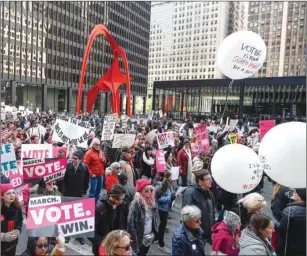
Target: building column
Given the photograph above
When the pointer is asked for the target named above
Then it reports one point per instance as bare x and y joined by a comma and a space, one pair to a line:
106, 102
44, 97
121, 102
13, 95
69, 97
144, 105
133, 105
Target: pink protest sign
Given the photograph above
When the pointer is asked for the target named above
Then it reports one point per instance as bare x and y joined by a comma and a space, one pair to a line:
49, 169
50, 216
160, 161
202, 136
265, 126
15, 176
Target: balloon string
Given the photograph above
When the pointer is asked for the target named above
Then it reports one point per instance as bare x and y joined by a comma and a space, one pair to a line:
227, 92
286, 243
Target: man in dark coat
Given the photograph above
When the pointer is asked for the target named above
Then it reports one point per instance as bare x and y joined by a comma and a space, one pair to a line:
76, 181
200, 195
108, 215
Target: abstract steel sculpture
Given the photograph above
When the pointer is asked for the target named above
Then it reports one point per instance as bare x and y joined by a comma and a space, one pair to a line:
111, 80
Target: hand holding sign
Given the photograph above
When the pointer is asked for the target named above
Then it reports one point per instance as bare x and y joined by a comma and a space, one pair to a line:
236, 168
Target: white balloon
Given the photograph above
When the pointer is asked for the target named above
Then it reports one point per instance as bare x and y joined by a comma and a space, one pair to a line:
241, 54
236, 168
283, 152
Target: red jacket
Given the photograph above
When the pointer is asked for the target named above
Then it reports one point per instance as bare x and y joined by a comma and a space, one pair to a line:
110, 181
92, 159
222, 240
183, 161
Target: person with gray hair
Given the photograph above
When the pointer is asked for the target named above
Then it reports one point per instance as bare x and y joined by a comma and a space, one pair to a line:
96, 161
111, 175
188, 239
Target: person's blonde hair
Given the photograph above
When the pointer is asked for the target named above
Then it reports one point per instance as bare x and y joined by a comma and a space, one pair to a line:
112, 241
253, 201
275, 190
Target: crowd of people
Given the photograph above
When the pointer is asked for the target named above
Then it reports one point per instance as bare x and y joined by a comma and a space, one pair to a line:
134, 211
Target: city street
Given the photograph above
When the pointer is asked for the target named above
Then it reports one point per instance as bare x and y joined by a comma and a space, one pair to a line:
74, 248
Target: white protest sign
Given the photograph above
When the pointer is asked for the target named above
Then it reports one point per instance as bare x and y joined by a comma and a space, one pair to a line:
175, 172
108, 131
213, 129
8, 108
70, 134
123, 140
151, 136
36, 151
165, 139
2, 104
8, 158
21, 108
233, 124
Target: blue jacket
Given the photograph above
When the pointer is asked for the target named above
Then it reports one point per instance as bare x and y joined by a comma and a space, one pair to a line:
164, 202
185, 244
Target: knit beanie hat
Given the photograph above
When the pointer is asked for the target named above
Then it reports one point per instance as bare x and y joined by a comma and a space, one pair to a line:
6, 187
141, 184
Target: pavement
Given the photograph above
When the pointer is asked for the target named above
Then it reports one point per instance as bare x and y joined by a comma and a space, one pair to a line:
74, 247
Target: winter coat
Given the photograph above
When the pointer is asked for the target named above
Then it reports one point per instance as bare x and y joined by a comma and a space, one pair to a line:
146, 164
11, 220
128, 170
296, 243
164, 201
107, 219
222, 240
136, 223
183, 162
280, 202
92, 159
184, 243
51, 251
110, 181
204, 200
251, 244
76, 182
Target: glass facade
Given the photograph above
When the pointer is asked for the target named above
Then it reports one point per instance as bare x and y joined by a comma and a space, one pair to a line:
42, 45
248, 97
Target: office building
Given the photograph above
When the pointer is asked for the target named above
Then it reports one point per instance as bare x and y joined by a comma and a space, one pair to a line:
283, 27
184, 38
42, 48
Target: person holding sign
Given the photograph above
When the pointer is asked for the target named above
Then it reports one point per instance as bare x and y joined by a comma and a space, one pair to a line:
11, 220
95, 161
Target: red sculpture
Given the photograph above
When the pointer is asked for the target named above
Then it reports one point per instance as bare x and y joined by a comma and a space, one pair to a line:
111, 80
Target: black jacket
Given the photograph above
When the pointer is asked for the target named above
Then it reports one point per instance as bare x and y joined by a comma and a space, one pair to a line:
76, 181
296, 243
204, 200
4, 179
107, 219
280, 202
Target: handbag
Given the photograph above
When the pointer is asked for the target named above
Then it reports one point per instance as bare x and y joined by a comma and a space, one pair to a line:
148, 239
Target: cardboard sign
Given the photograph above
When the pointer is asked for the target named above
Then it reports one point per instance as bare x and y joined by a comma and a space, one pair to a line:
165, 139
15, 176
233, 124
49, 169
232, 138
265, 126
36, 151
123, 140
160, 161
108, 131
151, 136
176, 127
50, 216
8, 158
70, 134
175, 173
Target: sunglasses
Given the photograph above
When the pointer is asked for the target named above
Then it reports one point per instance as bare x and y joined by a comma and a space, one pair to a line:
146, 190
126, 247
41, 246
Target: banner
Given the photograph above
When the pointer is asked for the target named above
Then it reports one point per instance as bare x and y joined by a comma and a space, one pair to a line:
202, 136
160, 161
36, 151
151, 136
50, 216
265, 126
108, 131
123, 140
15, 176
69, 133
8, 158
49, 169
165, 139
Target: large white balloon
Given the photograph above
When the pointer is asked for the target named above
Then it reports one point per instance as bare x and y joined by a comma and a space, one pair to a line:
236, 168
241, 54
283, 152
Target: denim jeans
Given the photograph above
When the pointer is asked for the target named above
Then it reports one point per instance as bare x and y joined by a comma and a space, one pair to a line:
95, 187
